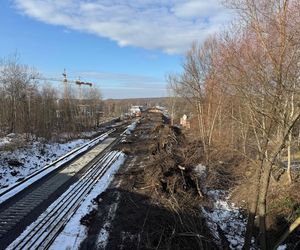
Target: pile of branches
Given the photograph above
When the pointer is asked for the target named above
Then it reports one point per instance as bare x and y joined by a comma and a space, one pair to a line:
172, 162
176, 186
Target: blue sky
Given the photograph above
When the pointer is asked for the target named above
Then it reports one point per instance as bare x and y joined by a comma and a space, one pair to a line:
126, 47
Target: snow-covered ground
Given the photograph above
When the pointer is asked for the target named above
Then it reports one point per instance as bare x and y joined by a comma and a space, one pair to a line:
131, 127
4, 141
21, 162
227, 217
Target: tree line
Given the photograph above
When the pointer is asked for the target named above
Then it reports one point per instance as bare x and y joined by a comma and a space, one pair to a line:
244, 85
35, 108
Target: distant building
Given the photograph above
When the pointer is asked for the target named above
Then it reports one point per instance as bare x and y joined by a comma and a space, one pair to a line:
157, 109
184, 122
136, 111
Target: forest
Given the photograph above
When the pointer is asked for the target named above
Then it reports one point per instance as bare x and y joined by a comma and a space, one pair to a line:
33, 106
243, 85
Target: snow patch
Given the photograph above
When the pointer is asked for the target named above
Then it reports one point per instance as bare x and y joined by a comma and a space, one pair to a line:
131, 127
227, 217
282, 247
201, 171
104, 232
41, 172
4, 141
33, 158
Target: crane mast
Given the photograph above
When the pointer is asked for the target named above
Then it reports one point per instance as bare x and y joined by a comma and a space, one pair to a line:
66, 89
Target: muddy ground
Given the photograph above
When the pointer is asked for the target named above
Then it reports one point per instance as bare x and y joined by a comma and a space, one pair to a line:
154, 200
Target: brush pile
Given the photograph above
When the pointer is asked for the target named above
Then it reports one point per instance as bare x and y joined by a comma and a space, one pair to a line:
165, 186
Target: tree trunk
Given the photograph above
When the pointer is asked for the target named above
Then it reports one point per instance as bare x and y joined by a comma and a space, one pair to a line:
289, 158
202, 130
252, 209
262, 204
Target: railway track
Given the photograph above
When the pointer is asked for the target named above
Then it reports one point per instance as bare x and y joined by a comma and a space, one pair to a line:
9, 192
64, 188
43, 232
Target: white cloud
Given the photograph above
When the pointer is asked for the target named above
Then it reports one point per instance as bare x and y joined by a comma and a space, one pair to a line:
168, 25
197, 9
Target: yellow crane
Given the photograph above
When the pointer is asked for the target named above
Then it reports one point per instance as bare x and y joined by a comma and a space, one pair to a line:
66, 84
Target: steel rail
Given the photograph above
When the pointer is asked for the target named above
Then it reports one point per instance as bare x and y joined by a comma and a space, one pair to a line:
50, 224
72, 155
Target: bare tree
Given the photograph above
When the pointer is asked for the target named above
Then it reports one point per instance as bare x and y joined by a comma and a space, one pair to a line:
193, 85
262, 68
18, 85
